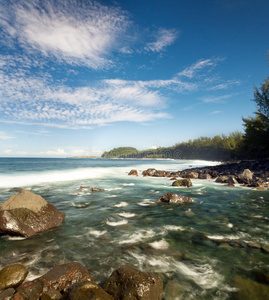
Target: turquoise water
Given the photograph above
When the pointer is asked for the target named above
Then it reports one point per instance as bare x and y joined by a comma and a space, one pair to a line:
125, 225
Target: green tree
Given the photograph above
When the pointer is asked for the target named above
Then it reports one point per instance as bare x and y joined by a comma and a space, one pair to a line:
256, 138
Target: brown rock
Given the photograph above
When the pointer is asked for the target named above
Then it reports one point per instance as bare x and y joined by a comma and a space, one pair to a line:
174, 198
205, 176
94, 189
246, 176
26, 214
182, 182
133, 172
12, 276
59, 278
222, 179
87, 290
191, 174
129, 283
7, 294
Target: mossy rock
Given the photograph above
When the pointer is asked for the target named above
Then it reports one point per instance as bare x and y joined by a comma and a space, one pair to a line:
12, 276
182, 182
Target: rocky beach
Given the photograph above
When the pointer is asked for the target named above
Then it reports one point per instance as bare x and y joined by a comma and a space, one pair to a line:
169, 230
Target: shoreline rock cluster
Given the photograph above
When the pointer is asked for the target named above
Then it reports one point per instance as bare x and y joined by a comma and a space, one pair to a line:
72, 281
253, 174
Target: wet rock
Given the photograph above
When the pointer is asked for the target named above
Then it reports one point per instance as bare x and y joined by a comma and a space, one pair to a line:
133, 172
265, 249
7, 294
156, 173
87, 290
94, 189
51, 294
260, 276
205, 176
246, 176
59, 278
26, 214
129, 283
191, 174
232, 180
249, 290
149, 172
182, 182
253, 245
173, 290
12, 276
174, 198
189, 214
222, 179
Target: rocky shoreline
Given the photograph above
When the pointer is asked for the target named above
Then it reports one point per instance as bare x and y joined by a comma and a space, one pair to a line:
253, 174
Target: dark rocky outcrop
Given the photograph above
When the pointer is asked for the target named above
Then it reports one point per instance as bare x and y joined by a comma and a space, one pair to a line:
26, 214
12, 276
133, 172
182, 182
128, 283
174, 198
190, 174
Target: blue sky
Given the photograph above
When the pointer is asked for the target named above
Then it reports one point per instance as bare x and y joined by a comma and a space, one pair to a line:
82, 77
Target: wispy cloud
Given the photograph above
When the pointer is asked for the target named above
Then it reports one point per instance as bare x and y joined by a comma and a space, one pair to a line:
215, 112
5, 136
163, 39
217, 99
76, 32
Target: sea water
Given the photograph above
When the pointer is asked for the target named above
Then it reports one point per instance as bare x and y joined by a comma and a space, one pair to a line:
124, 225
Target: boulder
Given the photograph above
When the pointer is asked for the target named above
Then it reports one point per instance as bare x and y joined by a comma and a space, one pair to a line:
191, 174
133, 172
51, 294
182, 182
205, 176
59, 278
149, 172
7, 294
174, 198
87, 290
12, 276
246, 176
128, 283
232, 180
25, 214
222, 179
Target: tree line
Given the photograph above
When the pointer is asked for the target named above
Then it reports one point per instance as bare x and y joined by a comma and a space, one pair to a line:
252, 144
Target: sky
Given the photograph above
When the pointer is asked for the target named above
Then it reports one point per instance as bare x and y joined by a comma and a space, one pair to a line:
78, 78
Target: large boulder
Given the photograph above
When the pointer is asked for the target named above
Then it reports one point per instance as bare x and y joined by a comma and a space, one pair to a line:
182, 182
25, 214
128, 283
246, 176
191, 174
174, 198
58, 279
12, 276
149, 172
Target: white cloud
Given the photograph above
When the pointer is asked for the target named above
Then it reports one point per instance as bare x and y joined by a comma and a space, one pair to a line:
217, 99
58, 152
164, 38
5, 136
72, 31
215, 112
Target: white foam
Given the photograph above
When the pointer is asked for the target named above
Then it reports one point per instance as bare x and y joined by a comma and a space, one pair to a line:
114, 189
146, 202
122, 204
126, 215
111, 196
128, 184
116, 223
16, 238
137, 237
97, 233
162, 244
173, 228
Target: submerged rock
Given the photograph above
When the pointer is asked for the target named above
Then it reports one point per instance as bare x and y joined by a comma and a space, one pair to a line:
250, 290
129, 283
94, 189
133, 172
26, 214
182, 182
12, 276
174, 198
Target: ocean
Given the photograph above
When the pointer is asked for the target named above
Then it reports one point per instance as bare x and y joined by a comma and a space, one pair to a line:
124, 225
